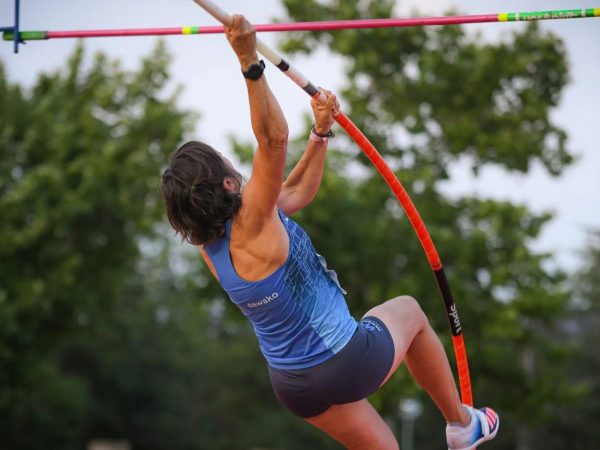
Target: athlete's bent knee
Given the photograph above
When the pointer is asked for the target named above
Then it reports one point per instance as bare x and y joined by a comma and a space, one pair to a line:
409, 308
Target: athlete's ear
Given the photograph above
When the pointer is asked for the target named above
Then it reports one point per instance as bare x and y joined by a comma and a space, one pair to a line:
230, 184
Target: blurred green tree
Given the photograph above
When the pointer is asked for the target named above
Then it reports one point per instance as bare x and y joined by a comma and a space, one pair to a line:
79, 161
570, 425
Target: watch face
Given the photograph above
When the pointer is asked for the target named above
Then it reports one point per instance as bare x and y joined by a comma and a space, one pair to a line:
255, 71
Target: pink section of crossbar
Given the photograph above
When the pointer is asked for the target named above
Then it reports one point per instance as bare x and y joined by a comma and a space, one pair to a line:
297, 26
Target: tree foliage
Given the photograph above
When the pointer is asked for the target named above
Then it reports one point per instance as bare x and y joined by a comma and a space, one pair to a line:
79, 158
581, 330
431, 94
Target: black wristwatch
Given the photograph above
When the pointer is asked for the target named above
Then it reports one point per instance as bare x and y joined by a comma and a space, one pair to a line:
255, 71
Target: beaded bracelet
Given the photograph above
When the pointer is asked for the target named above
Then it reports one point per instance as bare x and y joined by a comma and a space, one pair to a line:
318, 137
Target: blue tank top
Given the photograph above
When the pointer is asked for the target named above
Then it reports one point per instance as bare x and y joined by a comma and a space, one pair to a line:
298, 312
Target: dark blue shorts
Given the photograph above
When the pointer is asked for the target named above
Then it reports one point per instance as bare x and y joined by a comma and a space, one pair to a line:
352, 374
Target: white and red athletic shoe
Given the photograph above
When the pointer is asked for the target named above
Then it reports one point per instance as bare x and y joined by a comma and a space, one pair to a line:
483, 427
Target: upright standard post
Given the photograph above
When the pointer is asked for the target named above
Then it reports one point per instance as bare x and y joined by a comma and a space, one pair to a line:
12, 33
16, 30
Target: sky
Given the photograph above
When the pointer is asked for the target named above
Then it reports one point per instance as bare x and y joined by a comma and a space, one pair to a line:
208, 72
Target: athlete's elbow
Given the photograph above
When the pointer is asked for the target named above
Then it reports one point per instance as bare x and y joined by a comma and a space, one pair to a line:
278, 131
277, 141
279, 137
301, 199
273, 137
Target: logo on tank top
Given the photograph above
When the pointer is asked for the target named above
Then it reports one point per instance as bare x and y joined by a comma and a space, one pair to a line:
263, 301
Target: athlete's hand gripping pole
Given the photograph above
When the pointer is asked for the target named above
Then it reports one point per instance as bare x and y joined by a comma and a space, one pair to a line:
394, 184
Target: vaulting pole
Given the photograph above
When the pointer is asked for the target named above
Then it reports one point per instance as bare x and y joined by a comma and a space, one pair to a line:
396, 187
312, 26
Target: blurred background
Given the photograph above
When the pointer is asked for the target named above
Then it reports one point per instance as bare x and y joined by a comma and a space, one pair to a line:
113, 334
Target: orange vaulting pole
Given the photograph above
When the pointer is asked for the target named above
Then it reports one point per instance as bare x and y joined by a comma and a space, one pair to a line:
396, 187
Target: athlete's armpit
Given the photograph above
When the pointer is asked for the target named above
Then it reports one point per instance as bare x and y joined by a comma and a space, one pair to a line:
208, 262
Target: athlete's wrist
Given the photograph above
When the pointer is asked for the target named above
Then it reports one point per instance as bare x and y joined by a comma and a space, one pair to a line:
315, 137
321, 132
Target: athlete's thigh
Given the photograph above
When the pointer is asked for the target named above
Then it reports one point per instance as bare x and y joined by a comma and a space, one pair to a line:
403, 318
357, 426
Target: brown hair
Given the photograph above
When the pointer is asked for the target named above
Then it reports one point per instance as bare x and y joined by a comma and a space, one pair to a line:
198, 206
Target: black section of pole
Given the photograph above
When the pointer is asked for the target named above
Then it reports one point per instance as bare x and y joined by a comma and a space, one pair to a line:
451, 311
283, 65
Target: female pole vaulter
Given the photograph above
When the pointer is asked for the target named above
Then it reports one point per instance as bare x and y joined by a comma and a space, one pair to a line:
322, 363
